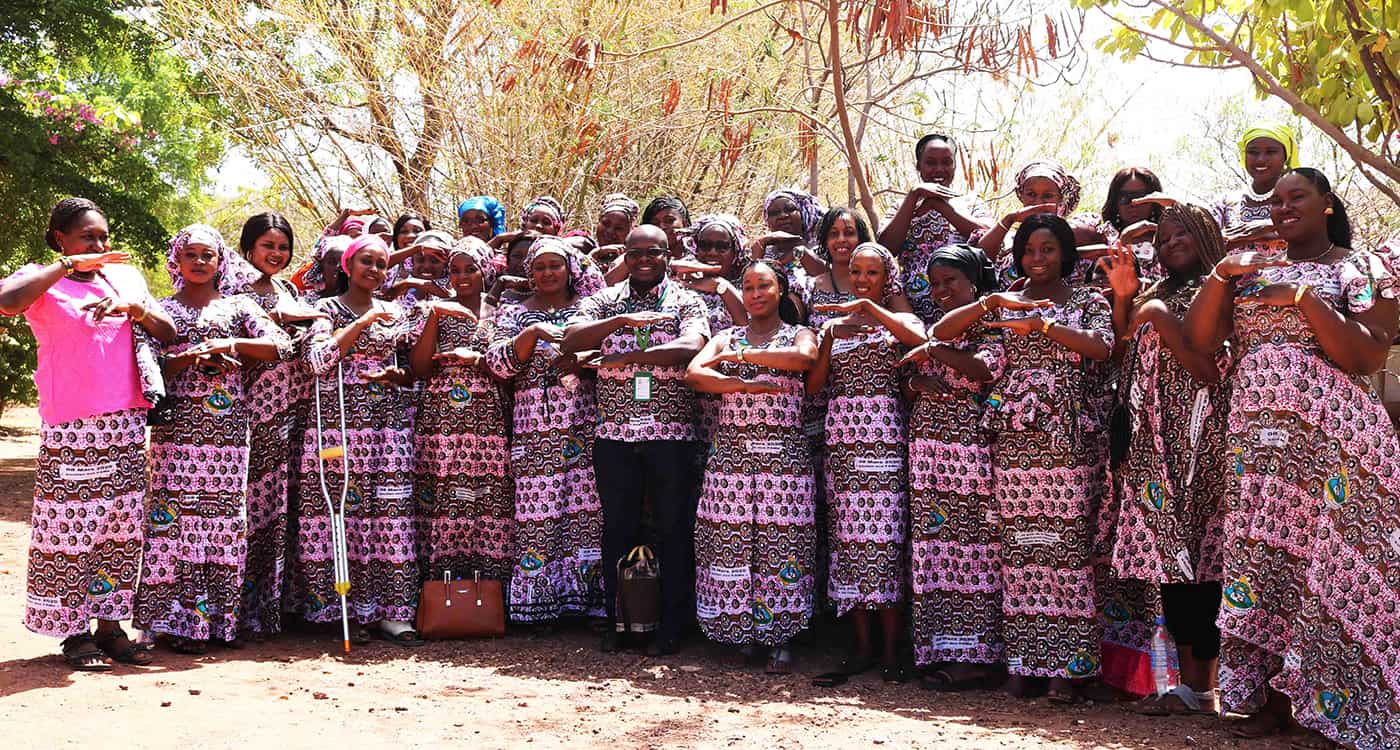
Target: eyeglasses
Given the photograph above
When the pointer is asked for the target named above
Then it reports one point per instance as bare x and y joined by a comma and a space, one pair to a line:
1126, 199
645, 252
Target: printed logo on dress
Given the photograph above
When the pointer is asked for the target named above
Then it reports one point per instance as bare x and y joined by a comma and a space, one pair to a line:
201, 608
936, 518
376, 389
1331, 704
1238, 596
424, 497
573, 450
218, 402
995, 400
790, 573
1082, 665
1239, 461
353, 498
1337, 489
460, 395
102, 584
531, 562
1153, 495
761, 613
1117, 611
162, 517
919, 284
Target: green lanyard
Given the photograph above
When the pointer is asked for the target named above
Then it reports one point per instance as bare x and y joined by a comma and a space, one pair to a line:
642, 335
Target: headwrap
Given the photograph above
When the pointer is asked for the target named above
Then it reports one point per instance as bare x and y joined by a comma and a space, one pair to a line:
807, 207
234, 274
547, 202
1275, 132
892, 283
487, 205
620, 203
584, 274
353, 221
312, 278
1052, 171
362, 242
971, 261
472, 247
735, 228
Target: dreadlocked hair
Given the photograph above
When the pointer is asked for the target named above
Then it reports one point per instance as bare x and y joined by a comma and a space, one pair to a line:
1210, 247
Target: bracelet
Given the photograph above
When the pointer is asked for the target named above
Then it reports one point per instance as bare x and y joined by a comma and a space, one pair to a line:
233, 347
1298, 295
63, 260
144, 312
1004, 226
982, 303
1045, 324
1216, 275
741, 352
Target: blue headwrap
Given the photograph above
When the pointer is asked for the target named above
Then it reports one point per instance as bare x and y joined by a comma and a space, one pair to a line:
489, 206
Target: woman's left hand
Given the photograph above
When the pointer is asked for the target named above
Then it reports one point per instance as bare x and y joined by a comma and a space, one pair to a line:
844, 308
685, 265
1020, 326
917, 355
460, 356
1271, 295
389, 375
706, 284
110, 306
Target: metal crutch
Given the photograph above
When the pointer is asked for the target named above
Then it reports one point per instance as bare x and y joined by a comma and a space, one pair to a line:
339, 551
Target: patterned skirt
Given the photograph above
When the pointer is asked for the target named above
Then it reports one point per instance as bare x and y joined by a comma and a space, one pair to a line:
85, 540
956, 545
1044, 496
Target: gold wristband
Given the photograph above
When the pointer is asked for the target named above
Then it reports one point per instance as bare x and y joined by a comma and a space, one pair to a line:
67, 264
982, 303
1216, 275
1045, 324
1298, 295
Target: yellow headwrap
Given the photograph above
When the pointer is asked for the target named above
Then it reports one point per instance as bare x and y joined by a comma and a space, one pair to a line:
1277, 132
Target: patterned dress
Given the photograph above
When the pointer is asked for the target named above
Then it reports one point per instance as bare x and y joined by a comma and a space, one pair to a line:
380, 511
955, 538
927, 233
558, 516
1312, 520
1045, 476
462, 483
1169, 524
1237, 208
865, 473
708, 404
192, 571
276, 395
755, 527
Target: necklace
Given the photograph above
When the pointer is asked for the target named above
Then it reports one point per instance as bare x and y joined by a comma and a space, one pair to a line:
1258, 197
1330, 248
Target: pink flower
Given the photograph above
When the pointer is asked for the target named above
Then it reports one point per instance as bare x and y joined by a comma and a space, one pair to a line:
78, 127
53, 139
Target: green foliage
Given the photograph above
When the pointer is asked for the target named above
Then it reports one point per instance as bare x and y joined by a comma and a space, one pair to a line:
91, 105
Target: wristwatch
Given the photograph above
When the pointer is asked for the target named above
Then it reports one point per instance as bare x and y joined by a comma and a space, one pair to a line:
1045, 324
66, 262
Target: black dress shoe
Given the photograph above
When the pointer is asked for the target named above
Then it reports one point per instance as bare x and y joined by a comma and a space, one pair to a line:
664, 645
611, 642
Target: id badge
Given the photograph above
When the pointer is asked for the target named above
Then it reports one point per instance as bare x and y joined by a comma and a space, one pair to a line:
641, 386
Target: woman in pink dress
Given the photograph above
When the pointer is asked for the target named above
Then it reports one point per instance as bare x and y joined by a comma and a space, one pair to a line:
91, 466
1312, 503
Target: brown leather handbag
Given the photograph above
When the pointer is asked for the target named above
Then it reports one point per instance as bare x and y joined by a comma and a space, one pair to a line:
449, 609
638, 591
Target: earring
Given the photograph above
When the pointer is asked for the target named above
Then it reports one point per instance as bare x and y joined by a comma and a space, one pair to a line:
1329, 211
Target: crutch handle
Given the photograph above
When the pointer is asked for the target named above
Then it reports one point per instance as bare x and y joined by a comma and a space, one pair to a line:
332, 453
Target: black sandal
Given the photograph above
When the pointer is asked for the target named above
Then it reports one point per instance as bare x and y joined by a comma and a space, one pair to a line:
893, 673
121, 648
941, 681
83, 655
189, 646
850, 667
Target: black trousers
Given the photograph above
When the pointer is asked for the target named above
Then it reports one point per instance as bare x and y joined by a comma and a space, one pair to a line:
665, 471
1190, 609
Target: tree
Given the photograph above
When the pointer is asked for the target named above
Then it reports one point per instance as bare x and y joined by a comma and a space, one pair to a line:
419, 102
91, 106
1336, 63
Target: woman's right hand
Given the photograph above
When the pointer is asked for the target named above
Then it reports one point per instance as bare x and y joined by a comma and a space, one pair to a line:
932, 191
927, 384
760, 387
1240, 264
1248, 230
1122, 275
547, 332
1016, 217
1013, 301
375, 315
93, 261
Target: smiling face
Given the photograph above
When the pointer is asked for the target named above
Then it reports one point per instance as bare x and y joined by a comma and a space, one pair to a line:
465, 276
715, 246
868, 275
670, 220
949, 287
646, 255
613, 227
1264, 159
199, 263
842, 239
88, 234
1298, 209
549, 274
1177, 250
429, 265
475, 223
381, 228
1037, 190
516, 255
761, 291
542, 219
782, 215
1041, 261
271, 252
368, 267
408, 233
938, 163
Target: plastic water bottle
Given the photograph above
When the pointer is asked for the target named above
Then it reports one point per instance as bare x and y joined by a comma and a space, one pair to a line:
1165, 674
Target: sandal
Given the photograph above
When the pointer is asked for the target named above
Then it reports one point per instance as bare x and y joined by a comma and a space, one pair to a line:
1311, 740
408, 638
850, 666
237, 644
780, 662
360, 635
1257, 726
117, 645
941, 681
83, 655
893, 673
1062, 692
189, 646
1179, 701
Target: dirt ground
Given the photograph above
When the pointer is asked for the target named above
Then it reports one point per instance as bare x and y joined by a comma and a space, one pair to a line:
523, 690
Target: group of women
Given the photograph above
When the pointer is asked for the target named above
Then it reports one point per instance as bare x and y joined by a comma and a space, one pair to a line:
1027, 446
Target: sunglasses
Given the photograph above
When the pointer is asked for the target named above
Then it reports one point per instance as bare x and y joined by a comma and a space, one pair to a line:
646, 252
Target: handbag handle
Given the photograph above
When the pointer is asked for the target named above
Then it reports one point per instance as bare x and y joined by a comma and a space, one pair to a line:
476, 579
640, 551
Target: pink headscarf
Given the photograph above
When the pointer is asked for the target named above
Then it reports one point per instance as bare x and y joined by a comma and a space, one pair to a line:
584, 274
362, 242
893, 285
234, 274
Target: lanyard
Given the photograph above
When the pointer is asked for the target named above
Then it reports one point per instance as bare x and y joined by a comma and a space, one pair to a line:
642, 335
